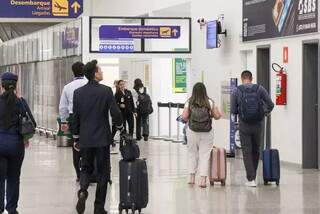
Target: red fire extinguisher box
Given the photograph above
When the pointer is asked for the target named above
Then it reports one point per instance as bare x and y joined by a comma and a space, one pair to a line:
281, 85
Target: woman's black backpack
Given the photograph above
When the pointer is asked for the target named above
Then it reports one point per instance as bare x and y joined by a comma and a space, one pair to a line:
144, 105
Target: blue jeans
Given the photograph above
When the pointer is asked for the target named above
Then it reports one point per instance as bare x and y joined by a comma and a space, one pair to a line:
11, 158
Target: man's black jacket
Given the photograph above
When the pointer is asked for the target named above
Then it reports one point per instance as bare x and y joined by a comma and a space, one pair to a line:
91, 106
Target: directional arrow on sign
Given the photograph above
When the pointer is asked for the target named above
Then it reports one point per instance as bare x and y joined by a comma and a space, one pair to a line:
175, 32
76, 6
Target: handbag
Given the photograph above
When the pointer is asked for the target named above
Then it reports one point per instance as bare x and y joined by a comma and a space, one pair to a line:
26, 126
129, 148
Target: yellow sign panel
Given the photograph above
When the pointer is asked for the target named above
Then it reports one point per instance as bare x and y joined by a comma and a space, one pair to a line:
60, 7
165, 32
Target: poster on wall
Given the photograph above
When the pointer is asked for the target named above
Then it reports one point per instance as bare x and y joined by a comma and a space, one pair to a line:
225, 99
179, 75
264, 19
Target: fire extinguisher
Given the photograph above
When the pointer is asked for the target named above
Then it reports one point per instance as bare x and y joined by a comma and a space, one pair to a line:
281, 85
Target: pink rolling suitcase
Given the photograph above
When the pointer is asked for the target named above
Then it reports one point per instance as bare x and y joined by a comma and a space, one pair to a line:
218, 166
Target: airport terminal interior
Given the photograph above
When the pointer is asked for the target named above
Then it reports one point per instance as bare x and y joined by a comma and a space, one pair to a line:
174, 47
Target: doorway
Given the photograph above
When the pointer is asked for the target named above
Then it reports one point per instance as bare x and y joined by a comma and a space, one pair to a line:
310, 120
263, 79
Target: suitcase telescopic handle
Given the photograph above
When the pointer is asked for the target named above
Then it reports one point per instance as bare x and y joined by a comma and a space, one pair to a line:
266, 118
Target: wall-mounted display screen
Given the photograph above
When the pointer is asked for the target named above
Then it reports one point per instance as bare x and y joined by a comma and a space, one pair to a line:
212, 34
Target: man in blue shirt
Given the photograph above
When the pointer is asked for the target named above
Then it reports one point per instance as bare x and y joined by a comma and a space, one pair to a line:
251, 102
66, 107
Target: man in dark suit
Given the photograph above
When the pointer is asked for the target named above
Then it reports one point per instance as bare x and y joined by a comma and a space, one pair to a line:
91, 106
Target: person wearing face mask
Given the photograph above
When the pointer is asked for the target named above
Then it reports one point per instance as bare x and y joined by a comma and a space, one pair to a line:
125, 102
12, 143
144, 108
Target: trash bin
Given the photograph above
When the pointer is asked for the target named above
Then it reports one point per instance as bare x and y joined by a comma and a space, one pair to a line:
63, 139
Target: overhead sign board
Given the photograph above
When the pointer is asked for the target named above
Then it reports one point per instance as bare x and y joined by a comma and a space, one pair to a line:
138, 32
264, 19
41, 8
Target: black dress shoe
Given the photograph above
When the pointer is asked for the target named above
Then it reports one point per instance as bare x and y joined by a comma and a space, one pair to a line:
145, 138
16, 212
81, 205
100, 211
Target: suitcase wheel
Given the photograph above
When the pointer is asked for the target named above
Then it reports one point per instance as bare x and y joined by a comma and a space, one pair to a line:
120, 209
133, 208
212, 183
277, 182
266, 183
127, 211
139, 211
223, 183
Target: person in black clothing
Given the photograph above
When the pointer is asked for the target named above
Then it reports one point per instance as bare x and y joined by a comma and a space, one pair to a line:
125, 102
142, 118
12, 144
91, 106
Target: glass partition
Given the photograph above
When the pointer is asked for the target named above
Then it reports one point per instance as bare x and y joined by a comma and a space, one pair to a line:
57, 41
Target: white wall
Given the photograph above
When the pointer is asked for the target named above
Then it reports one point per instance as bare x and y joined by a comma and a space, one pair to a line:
229, 60
217, 64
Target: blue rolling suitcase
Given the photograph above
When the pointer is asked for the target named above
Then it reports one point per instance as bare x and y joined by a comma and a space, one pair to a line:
271, 164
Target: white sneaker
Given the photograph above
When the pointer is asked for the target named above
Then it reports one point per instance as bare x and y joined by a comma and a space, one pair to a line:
251, 183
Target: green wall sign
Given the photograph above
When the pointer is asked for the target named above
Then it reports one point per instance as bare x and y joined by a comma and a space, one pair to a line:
179, 75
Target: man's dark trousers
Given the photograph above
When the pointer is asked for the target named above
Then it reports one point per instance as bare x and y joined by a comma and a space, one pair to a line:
102, 155
142, 123
251, 139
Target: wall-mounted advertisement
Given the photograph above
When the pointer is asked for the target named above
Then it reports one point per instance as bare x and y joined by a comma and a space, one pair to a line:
264, 19
180, 75
70, 38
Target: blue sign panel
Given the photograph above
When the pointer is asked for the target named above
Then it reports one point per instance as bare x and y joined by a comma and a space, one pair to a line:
116, 46
233, 119
139, 32
41, 8
212, 36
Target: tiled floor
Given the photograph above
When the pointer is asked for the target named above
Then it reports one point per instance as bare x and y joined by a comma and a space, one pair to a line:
48, 185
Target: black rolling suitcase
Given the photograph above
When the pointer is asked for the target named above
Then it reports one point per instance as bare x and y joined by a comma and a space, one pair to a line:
133, 185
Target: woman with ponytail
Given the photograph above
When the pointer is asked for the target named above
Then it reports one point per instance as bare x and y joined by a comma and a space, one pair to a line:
12, 144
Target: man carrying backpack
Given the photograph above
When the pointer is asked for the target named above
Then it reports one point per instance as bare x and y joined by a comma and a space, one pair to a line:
251, 102
144, 109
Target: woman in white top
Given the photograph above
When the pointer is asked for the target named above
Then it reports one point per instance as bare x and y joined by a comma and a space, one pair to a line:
199, 111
